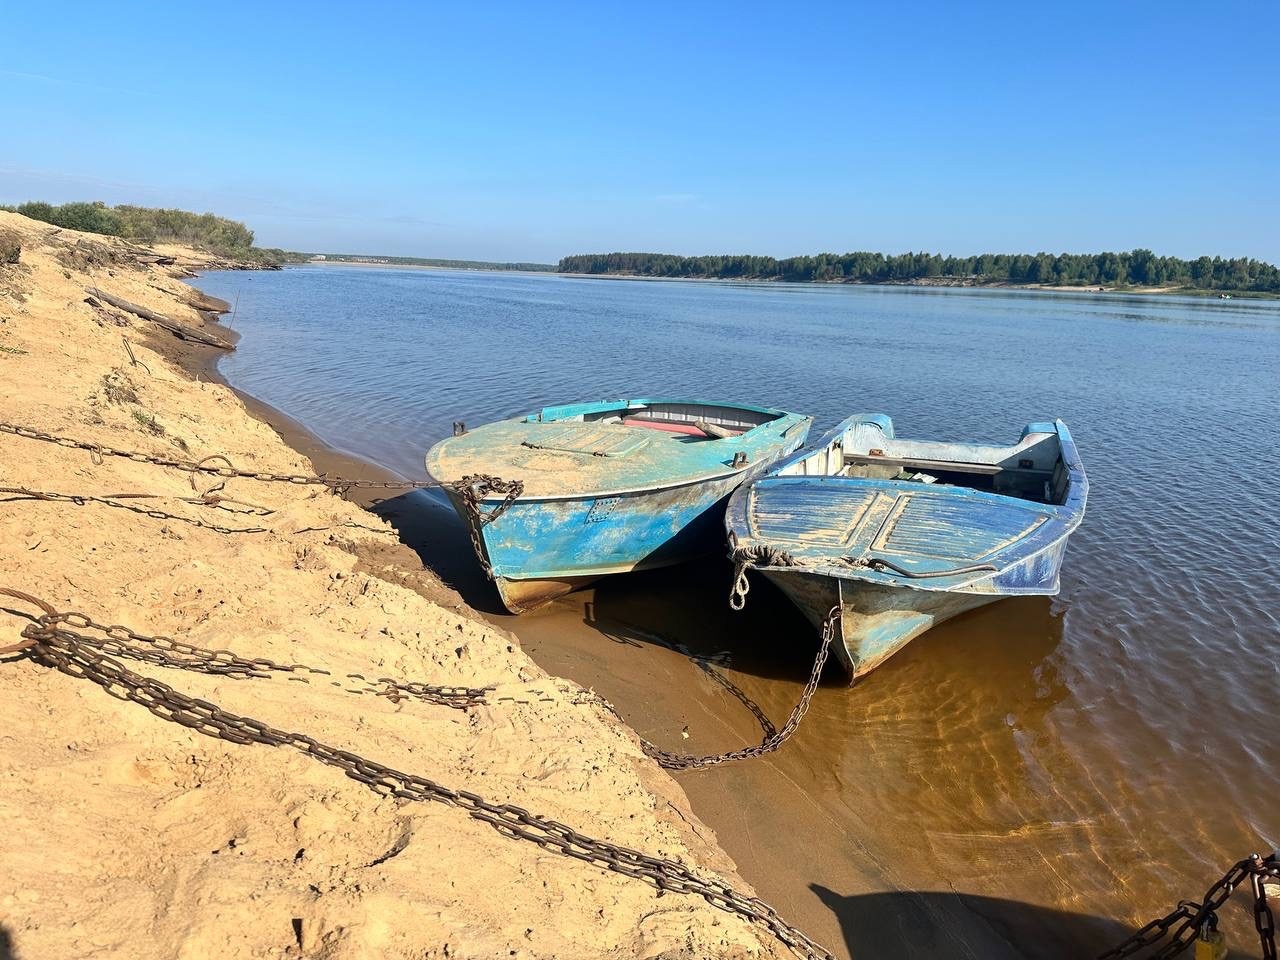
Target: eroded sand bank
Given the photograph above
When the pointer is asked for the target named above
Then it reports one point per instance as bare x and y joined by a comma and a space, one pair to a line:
129, 836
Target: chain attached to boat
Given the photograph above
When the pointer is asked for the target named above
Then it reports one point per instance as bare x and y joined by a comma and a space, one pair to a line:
338, 484
472, 490
53, 640
760, 555
1171, 934
681, 761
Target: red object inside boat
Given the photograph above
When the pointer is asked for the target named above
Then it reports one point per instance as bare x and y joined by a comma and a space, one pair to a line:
688, 429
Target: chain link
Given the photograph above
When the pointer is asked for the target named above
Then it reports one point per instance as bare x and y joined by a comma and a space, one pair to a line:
98, 451
772, 741
471, 491
1171, 934
52, 640
80, 499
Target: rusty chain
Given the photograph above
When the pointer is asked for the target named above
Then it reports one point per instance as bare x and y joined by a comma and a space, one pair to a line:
80, 499
98, 451
50, 641
163, 651
213, 501
1171, 934
772, 741
471, 491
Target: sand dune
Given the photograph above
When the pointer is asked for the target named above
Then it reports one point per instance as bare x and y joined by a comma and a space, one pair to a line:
129, 836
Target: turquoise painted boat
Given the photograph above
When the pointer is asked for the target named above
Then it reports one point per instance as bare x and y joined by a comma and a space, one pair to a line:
900, 535
571, 493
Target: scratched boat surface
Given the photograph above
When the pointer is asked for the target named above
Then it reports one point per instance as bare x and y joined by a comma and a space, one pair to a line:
608, 487
903, 534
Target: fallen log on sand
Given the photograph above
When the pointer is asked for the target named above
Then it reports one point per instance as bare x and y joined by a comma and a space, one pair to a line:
173, 326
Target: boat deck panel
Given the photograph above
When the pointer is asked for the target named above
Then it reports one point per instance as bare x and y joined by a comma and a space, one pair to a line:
565, 459
936, 524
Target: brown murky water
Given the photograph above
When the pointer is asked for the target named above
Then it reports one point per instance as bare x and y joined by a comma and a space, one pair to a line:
1030, 779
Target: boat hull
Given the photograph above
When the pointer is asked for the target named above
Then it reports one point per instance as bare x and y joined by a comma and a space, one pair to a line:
876, 620
539, 550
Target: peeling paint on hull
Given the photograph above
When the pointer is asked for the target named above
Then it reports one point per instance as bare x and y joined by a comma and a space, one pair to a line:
543, 549
875, 621
603, 497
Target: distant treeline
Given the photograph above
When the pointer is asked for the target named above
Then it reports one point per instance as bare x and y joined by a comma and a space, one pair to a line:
205, 231
1135, 268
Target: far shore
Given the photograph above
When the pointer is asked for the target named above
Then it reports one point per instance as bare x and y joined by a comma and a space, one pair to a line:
930, 283
946, 284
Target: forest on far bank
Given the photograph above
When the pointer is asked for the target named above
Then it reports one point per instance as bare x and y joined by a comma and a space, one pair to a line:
1134, 268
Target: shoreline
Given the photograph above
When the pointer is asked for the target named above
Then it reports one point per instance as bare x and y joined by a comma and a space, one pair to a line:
932, 284
177, 841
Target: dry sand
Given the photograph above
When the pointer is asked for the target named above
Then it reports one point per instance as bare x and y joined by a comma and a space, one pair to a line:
128, 836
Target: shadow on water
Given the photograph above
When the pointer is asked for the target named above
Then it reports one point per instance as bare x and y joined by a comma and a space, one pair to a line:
686, 608
926, 926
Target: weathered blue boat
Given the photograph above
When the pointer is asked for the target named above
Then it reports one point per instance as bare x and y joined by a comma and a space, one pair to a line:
571, 493
903, 534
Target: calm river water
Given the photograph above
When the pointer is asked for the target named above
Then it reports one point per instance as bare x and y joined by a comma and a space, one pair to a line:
1022, 781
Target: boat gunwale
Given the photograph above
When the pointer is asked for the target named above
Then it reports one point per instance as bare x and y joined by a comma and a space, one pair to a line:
711, 476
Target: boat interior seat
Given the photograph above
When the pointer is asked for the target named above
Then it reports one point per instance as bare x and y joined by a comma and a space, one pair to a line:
1031, 469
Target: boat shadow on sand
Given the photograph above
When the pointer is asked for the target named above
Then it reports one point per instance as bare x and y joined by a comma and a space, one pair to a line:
911, 925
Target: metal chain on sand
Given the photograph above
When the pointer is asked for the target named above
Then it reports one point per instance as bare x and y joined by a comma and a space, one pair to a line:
54, 640
472, 490
99, 451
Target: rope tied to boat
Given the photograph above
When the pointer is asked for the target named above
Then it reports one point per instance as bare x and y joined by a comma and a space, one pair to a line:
63, 641
757, 555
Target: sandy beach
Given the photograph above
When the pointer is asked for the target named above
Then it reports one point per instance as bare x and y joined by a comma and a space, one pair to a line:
135, 837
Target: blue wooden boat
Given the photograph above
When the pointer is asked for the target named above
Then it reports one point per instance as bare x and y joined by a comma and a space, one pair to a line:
903, 534
604, 487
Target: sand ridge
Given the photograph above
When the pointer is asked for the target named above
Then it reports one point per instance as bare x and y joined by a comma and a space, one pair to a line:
132, 837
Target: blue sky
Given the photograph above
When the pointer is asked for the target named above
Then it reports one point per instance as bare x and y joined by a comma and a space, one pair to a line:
530, 131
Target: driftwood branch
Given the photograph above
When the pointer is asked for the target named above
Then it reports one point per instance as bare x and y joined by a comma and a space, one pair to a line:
182, 330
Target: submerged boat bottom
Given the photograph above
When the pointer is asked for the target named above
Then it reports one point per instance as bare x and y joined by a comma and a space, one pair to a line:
875, 621
521, 596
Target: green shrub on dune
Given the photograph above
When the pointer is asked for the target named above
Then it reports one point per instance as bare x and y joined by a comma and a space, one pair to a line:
205, 231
